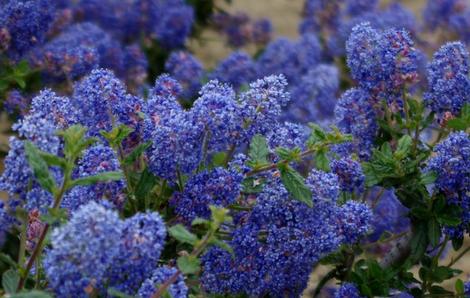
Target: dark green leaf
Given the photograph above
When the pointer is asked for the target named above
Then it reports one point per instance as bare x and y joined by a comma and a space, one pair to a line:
258, 150
188, 264
448, 219
419, 242
146, 183
459, 286
136, 153
434, 232
53, 160
39, 167
436, 290
253, 185
428, 178
457, 243
222, 244
10, 279
321, 160
404, 146
180, 233
101, 177
295, 184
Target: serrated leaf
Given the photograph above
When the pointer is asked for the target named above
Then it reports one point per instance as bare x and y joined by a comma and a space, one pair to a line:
180, 233
137, 152
118, 134
295, 184
39, 167
258, 150
321, 160
10, 280
146, 183
188, 264
101, 177
53, 160
283, 153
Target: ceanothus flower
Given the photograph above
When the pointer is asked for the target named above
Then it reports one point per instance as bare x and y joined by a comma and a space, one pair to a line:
104, 103
350, 174
355, 115
324, 186
348, 290
262, 104
178, 289
438, 13
23, 25
288, 135
217, 111
219, 187
83, 250
95, 160
6, 221
142, 241
238, 70
451, 163
355, 221
187, 70
448, 79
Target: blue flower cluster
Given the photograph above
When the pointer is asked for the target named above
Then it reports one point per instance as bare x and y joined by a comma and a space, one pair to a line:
449, 81
350, 175
187, 70
177, 289
451, 163
277, 244
127, 251
348, 290
238, 70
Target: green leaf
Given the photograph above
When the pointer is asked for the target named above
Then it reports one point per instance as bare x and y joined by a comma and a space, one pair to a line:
101, 177
252, 185
258, 150
136, 153
295, 184
32, 294
219, 215
434, 232
39, 167
117, 134
448, 219
53, 160
200, 221
218, 159
146, 183
118, 294
10, 280
8, 260
457, 243
404, 146
428, 178
55, 216
21, 82
321, 160
317, 134
459, 286
419, 242
222, 244
188, 264
75, 142
283, 153
180, 233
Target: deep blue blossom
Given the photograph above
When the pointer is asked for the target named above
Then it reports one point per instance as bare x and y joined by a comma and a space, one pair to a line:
219, 187
75, 267
238, 69
350, 174
355, 221
437, 13
288, 135
6, 221
324, 186
314, 97
355, 115
24, 24
187, 70
348, 290
448, 79
451, 163
178, 289
142, 240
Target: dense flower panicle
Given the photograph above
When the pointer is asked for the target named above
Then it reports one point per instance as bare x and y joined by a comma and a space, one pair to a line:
381, 61
350, 174
288, 135
279, 242
467, 287
97, 159
218, 187
358, 7
104, 103
166, 86
314, 97
355, 115
135, 65
438, 13
169, 22
16, 102
24, 24
262, 104
448, 79
238, 69
176, 147
178, 289
451, 162
355, 221
348, 290
218, 112
324, 186
187, 70
142, 240
73, 265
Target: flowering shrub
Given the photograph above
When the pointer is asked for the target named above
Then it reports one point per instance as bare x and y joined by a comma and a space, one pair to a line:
343, 148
